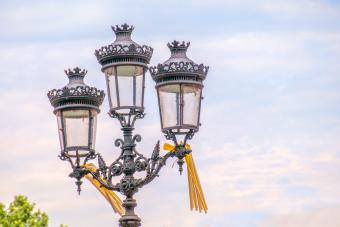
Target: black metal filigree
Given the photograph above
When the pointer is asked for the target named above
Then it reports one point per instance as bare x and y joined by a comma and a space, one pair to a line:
126, 50
189, 136
116, 168
170, 135
136, 138
128, 186
65, 95
127, 119
179, 67
76, 93
119, 143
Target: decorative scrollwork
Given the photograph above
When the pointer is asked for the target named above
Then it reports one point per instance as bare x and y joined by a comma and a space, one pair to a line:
124, 50
129, 185
189, 135
156, 165
136, 138
95, 95
141, 164
137, 115
170, 135
89, 156
140, 115
119, 143
120, 117
127, 119
63, 157
116, 168
185, 67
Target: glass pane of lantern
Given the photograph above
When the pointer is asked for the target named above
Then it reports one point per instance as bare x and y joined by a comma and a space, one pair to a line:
139, 90
76, 123
94, 128
60, 130
128, 75
111, 86
169, 99
191, 104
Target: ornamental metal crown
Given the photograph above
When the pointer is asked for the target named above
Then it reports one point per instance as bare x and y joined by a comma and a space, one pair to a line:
124, 28
123, 50
178, 66
177, 46
76, 93
75, 73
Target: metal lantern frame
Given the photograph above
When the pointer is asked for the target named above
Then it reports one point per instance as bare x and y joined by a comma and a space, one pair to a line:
179, 70
124, 51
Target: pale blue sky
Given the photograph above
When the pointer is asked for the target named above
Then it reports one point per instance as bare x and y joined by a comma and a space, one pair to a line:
268, 151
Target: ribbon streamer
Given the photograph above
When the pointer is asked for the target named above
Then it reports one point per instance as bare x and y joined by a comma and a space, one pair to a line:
110, 196
196, 196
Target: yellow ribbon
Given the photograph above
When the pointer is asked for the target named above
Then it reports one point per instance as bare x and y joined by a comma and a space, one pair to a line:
196, 196
110, 196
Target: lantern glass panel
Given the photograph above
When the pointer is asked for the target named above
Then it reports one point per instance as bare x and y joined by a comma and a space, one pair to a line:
127, 84
76, 124
60, 130
125, 87
191, 104
169, 101
79, 130
111, 87
94, 129
139, 90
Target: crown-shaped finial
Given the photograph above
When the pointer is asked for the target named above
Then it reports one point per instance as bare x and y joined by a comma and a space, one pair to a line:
177, 46
124, 28
75, 73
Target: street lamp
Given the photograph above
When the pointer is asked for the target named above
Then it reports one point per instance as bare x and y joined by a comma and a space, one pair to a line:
179, 83
124, 63
76, 106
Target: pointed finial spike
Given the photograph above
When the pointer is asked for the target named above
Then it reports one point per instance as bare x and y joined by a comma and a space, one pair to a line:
78, 183
180, 163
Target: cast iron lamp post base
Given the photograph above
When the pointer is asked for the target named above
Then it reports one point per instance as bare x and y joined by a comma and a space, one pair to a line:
129, 219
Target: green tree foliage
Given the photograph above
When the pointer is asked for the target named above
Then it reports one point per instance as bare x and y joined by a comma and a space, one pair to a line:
21, 213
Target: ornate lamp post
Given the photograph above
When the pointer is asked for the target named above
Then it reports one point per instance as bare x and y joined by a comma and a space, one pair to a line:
124, 63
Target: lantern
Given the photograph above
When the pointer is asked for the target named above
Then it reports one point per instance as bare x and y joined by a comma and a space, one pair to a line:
124, 64
76, 106
179, 84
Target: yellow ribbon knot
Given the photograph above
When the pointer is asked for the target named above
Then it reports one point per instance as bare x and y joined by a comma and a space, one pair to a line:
196, 196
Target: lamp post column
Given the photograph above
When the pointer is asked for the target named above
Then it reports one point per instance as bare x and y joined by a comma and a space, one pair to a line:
128, 182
